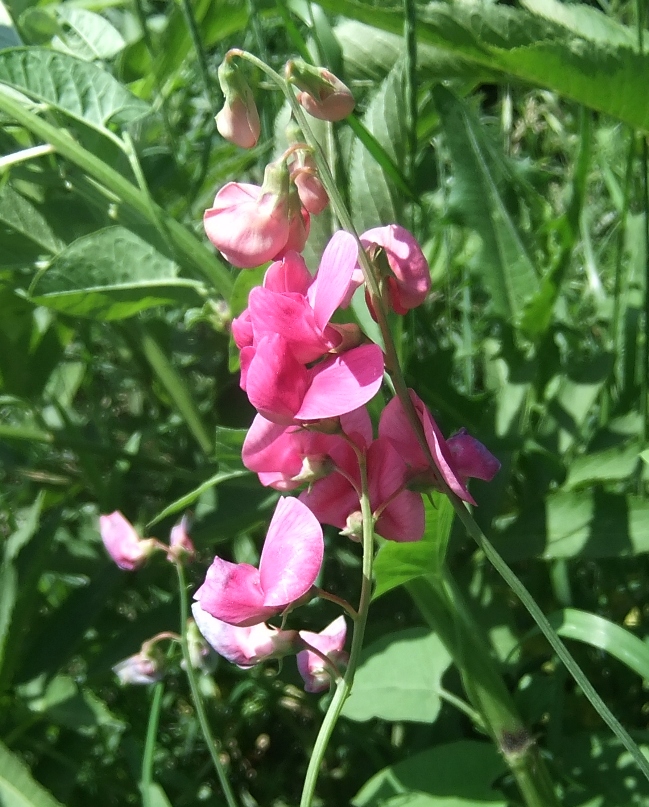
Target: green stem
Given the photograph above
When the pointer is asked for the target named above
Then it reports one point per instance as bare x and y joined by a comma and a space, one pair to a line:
190, 251
210, 740
344, 686
146, 777
444, 608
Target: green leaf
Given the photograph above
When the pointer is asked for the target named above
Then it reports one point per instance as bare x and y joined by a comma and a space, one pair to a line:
189, 498
399, 678
112, 274
614, 464
584, 21
79, 89
17, 786
86, 35
604, 77
458, 774
588, 524
594, 630
22, 216
482, 194
398, 563
373, 196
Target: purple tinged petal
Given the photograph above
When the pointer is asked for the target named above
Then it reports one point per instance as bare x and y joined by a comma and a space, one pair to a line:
334, 276
471, 458
292, 554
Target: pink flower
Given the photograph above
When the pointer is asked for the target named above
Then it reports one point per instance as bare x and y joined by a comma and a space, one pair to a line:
180, 544
238, 121
409, 281
241, 595
250, 225
138, 669
244, 647
286, 457
329, 641
323, 95
335, 499
456, 460
305, 175
122, 542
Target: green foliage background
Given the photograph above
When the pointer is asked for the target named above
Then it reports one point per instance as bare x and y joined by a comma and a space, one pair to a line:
523, 174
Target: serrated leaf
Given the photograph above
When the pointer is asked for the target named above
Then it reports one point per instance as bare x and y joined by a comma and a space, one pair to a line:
23, 216
604, 77
458, 774
374, 200
86, 35
77, 88
18, 788
399, 678
112, 274
480, 195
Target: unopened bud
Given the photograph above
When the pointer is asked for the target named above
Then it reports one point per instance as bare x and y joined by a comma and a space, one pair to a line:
238, 121
312, 193
354, 526
323, 95
180, 544
142, 668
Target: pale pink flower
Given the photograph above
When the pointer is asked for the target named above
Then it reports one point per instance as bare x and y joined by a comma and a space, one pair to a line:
456, 460
409, 282
140, 668
329, 641
238, 121
323, 95
122, 542
304, 174
241, 595
247, 646
180, 544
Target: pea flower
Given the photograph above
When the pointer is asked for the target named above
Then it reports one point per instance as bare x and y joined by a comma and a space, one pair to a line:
122, 542
408, 273
241, 595
329, 641
456, 459
141, 668
180, 544
250, 225
247, 646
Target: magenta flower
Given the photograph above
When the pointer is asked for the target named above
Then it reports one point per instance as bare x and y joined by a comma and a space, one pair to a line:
409, 282
286, 457
335, 499
456, 459
122, 542
241, 595
329, 641
244, 647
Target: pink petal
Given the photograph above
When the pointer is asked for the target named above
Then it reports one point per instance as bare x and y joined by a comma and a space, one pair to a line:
334, 276
232, 592
275, 381
331, 500
290, 316
288, 275
471, 458
404, 519
357, 425
331, 642
292, 553
342, 383
122, 542
395, 425
443, 458
270, 447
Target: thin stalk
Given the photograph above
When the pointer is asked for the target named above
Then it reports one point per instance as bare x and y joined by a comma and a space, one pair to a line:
210, 740
190, 251
146, 776
25, 154
192, 27
640, 9
410, 36
345, 684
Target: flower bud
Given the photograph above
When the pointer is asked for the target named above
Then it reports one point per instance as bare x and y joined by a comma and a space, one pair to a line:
299, 222
122, 542
141, 668
323, 95
330, 642
238, 121
312, 193
180, 544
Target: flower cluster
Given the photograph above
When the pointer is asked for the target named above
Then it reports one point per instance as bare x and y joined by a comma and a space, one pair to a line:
309, 374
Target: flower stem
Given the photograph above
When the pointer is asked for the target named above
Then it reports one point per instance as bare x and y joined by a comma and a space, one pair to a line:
210, 740
146, 777
326, 595
345, 684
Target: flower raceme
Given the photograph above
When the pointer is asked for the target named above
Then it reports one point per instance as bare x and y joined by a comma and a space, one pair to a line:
295, 365
241, 595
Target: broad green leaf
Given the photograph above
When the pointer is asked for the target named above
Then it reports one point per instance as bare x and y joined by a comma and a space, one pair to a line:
398, 563
189, 498
112, 274
67, 704
594, 630
459, 774
373, 196
588, 524
79, 89
22, 216
399, 678
584, 21
604, 77
86, 35
481, 193
18, 788
614, 464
